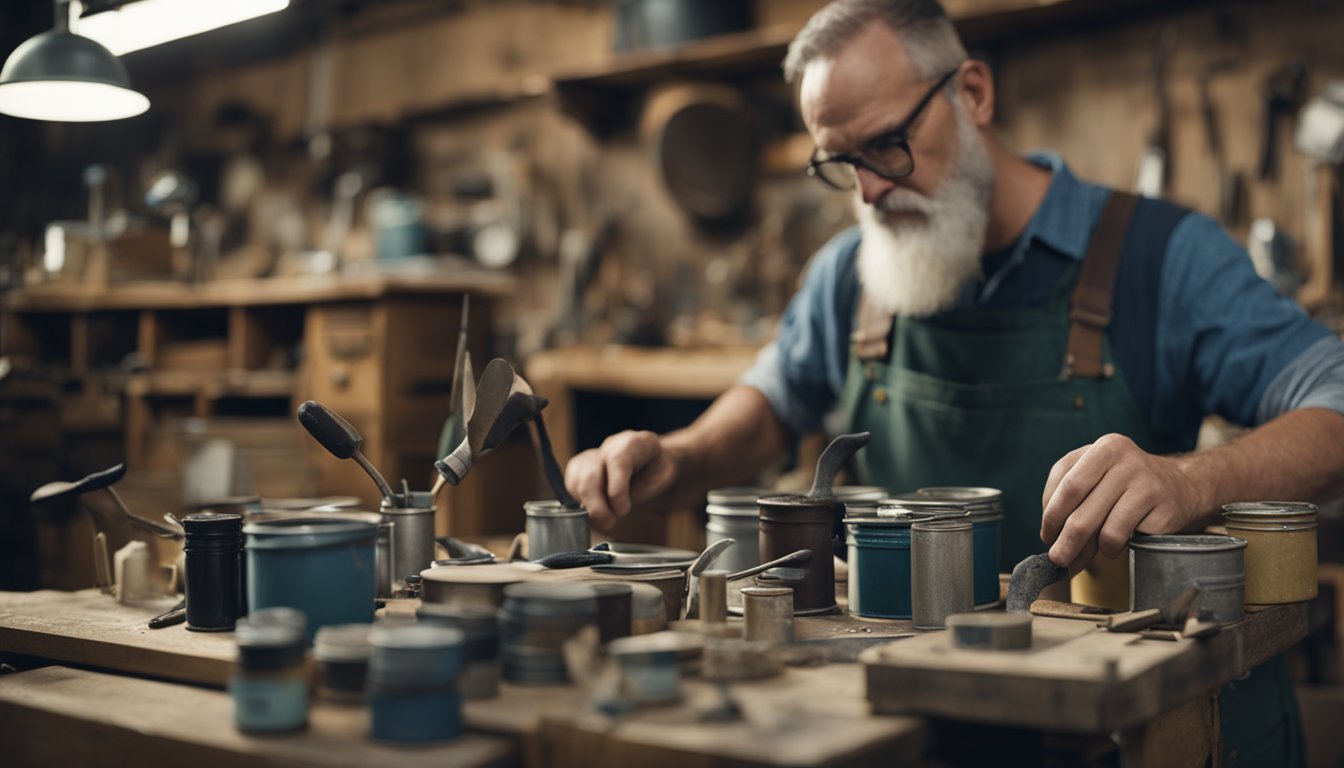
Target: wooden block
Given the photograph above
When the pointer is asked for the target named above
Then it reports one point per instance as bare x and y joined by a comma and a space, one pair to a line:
1133, 621
1061, 610
990, 631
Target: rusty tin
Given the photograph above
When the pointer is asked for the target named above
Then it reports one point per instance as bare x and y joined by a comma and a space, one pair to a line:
791, 523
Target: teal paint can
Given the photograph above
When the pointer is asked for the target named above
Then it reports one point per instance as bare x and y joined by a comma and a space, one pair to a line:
413, 694
323, 566
879, 564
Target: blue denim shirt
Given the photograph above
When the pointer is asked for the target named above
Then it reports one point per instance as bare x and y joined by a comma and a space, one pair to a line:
1225, 341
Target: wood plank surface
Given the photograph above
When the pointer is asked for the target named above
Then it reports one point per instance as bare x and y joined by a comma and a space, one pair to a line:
91, 629
1075, 677
813, 716
60, 716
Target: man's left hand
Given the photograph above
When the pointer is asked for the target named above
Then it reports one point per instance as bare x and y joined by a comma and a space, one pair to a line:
1097, 496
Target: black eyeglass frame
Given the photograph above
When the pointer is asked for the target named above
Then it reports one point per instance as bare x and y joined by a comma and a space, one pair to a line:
898, 136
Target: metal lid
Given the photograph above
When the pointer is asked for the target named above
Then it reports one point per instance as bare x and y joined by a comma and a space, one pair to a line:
930, 507
797, 500
859, 493
941, 525
894, 517
1268, 511
1186, 543
551, 508
343, 642
968, 494
766, 591
211, 522
307, 531
738, 495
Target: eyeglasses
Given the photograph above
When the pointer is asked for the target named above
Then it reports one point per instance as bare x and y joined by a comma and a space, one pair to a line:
887, 154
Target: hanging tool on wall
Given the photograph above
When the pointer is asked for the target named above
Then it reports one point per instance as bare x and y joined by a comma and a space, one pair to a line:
1283, 91
1155, 162
1231, 184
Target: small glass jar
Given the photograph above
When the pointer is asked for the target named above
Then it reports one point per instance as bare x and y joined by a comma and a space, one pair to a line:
270, 678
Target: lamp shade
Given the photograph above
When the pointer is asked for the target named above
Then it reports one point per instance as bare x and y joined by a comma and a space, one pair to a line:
58, 75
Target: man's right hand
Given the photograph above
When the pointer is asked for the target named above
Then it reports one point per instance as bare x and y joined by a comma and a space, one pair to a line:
629, 468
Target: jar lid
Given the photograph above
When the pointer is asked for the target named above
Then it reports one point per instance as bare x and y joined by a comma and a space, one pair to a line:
930, 507
961, 493
212, 522
1268, 510
891, 517
343, 642
942, 525
307, 531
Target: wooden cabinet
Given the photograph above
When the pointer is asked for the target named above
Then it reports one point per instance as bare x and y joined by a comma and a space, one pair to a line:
379, 350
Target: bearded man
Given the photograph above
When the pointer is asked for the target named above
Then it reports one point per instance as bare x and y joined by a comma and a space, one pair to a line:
994, 321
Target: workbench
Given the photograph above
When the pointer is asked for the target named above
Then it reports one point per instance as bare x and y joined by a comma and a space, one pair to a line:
1078, 681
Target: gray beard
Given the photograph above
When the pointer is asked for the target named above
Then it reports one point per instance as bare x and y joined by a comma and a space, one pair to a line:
916, 266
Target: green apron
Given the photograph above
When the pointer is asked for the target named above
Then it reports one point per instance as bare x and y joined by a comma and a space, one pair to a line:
982, 397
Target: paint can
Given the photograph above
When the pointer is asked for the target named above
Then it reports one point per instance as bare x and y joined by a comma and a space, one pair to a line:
733, 514
791, 523
649, 670
479, 678
879, 563
941, 571
323, 566
1280, 549
342, 654
1165, 566
536, 620
269, 685
413, 693
553, 528
985, 506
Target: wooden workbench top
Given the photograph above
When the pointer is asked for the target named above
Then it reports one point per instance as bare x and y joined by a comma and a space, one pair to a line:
60, 716
91, 629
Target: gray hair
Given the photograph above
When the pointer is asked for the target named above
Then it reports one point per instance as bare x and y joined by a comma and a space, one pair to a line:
923, 27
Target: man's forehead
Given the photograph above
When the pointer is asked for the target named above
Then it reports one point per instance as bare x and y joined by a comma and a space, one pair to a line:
870, 74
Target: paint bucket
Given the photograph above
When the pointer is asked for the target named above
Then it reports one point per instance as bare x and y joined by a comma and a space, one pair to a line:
1280, 549
413, 683
733, 514
553, 528
1166, 566
412, 535
879, 564
323, 566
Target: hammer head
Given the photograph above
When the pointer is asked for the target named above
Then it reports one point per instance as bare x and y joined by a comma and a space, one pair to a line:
1030, 577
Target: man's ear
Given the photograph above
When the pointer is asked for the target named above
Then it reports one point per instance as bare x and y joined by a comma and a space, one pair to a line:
976, 91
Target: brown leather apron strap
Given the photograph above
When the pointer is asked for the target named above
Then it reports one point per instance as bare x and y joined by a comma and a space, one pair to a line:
1090, 304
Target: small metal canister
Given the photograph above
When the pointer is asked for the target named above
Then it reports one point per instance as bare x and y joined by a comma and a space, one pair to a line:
553, 528
879, 563
733, 514
1280, 549
412, 535
768, 614
1165, 566
942, 564
985, 507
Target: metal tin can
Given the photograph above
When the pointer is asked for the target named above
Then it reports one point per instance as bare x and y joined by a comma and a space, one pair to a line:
648, 611
1280, 549
941, 568
1165, 566
323, 566
879, 564
480, 586
270, 679
791, 523
412, 535
535, 622
767, 613
733, 514
553, 528
479, 678
985, 508
649, 669
413, 693
342, 655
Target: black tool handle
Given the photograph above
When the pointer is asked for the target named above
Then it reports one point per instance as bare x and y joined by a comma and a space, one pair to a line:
93, 482
329, 430
581, 559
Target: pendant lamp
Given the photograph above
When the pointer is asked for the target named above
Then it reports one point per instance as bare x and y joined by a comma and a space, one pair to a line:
61, 76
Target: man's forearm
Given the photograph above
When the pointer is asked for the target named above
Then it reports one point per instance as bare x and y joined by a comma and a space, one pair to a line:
731, 443
1298, 456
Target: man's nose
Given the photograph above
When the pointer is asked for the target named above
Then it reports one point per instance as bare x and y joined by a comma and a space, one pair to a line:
871, 186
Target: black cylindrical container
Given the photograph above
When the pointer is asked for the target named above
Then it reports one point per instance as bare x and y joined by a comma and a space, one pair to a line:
214, 546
